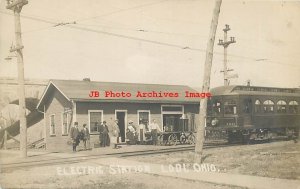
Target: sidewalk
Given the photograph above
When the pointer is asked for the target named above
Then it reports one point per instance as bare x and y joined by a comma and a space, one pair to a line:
212, 177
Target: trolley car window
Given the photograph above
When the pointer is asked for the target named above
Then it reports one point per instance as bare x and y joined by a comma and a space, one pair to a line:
268, 106
209, 106
281, 106
216, 107
293, 107
230, 107
257, 107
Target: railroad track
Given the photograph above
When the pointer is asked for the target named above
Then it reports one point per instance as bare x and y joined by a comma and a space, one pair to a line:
77, 159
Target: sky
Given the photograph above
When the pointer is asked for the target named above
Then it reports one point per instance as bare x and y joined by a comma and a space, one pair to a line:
154, 41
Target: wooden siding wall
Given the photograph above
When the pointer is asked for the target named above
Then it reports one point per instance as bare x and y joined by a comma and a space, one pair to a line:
132, 109
56, 105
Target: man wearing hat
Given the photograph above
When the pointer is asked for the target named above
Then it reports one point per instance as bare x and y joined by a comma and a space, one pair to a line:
74, 135
154, 128
104, 138
85, 136
131, 127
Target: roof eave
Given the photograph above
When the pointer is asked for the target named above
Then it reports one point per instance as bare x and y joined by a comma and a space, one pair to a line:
135, 101
45, 92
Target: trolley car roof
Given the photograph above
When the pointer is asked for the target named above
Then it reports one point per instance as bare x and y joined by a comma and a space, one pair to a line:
254, 90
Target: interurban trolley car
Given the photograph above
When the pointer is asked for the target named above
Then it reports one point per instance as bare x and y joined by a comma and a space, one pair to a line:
251, 113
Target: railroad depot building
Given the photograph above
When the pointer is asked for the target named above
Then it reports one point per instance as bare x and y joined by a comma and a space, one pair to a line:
88, 102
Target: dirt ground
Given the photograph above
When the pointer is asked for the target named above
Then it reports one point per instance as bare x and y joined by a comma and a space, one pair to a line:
47, 177
276, 159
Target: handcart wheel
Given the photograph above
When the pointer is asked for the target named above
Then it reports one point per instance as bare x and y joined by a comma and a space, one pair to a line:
192, 139
182, 138
172, 139
160, 140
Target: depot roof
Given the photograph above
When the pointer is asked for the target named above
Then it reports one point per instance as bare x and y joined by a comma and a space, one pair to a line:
75, 90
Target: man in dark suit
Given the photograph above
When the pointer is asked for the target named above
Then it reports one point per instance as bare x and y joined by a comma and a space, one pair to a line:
104, 138
85, 136
74, 134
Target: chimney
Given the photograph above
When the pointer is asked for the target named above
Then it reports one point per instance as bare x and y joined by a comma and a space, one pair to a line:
86, 79
248, 82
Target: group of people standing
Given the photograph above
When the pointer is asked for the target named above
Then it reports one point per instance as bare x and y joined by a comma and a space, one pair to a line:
134, 134
137, 134
77, 135
104, 136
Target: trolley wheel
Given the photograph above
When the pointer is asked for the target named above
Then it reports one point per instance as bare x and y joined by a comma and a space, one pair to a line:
192, 139
172, 139
232, 137
182, 138
290, 133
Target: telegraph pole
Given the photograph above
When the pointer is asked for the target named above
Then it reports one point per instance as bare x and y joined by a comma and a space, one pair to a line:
206, 83
16, 7
225, 44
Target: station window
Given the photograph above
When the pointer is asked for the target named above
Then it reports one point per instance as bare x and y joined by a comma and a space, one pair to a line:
293, 107
230, 107
144, 117
268, 106
66, 120
95, 119
52, 124
281, 106
257, 108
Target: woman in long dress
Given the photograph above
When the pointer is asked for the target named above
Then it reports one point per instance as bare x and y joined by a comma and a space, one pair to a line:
141, 132
131, 133
115, 134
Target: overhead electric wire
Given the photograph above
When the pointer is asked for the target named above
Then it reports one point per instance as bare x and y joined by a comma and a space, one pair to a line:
30, 17
131, 37
109, 33
35, 19
139, 39
122, 10
142, 30
89, 18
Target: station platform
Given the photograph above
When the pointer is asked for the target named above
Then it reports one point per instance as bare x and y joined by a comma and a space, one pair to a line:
14, 156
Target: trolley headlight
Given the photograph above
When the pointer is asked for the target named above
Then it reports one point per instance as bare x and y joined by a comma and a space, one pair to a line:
214, 122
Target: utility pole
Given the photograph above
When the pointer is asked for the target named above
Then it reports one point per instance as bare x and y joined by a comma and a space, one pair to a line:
225, 44
206, 83
16, 7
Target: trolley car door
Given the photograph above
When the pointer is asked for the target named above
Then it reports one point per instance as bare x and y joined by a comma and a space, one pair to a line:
247, 111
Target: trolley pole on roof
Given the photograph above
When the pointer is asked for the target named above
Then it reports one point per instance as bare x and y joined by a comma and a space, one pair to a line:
206, 83
16, 7
225, 44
